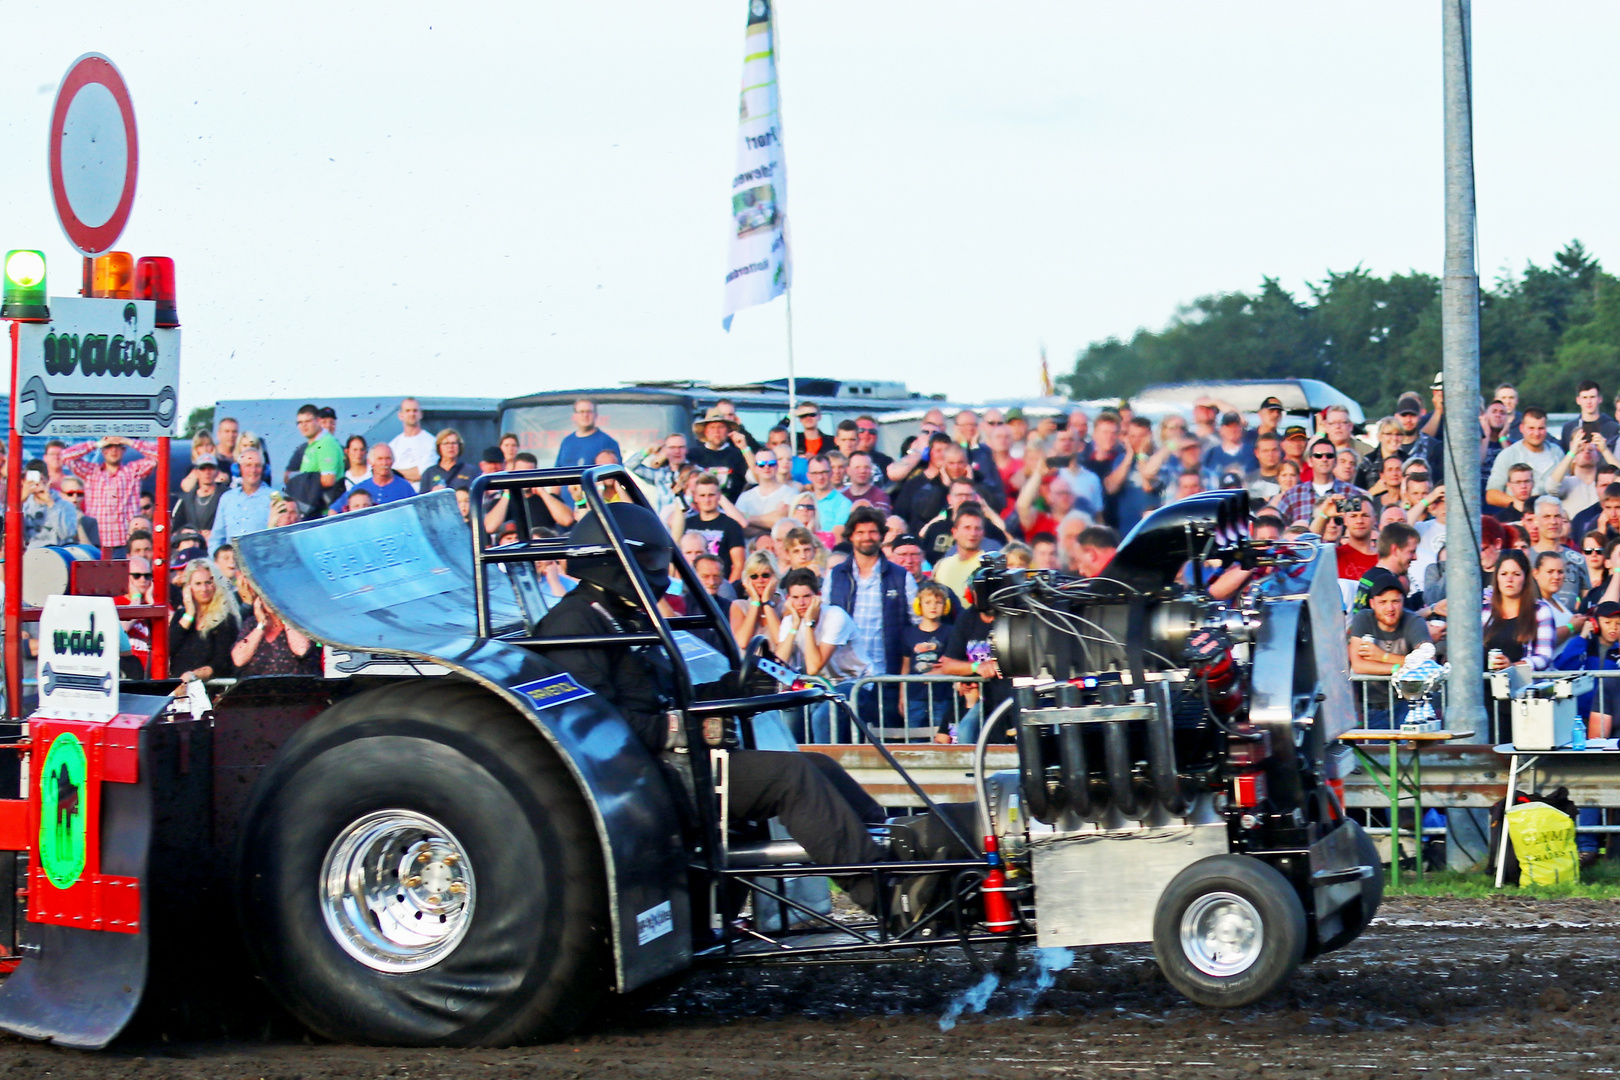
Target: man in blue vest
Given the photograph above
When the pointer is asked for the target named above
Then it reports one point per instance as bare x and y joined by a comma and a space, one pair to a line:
878, 595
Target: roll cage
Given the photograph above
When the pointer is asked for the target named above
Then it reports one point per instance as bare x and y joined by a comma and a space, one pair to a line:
714, 858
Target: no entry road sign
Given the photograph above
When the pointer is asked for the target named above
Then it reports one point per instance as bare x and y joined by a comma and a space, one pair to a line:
94, 154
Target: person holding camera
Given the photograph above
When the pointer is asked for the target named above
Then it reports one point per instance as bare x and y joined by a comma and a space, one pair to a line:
1299, 503
1574, 479
49, 520
1358, 549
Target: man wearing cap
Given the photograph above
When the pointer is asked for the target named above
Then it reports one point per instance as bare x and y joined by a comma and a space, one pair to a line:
1534, 450
1294, 438
1299, 502
811, 440
1589, 399
1358, 551
1231, 453
579, 447
112, 489
906, 552
1017, 431
1382, 634
1414, 443
195, 509
723, 451
1270, 414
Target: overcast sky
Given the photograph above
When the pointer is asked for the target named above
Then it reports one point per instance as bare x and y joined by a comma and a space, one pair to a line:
488, 200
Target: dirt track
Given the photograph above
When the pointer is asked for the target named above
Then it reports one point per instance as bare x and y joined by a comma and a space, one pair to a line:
1435, 988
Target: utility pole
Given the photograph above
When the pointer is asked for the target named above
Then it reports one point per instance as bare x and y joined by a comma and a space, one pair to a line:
1459, 336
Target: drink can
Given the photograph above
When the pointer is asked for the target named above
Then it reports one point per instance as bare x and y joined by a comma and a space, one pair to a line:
1491, 658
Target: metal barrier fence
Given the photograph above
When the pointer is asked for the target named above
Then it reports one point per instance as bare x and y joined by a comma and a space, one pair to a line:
900, 708
1385, 708
912, 708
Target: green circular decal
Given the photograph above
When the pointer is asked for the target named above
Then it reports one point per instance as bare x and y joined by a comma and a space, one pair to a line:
61, 811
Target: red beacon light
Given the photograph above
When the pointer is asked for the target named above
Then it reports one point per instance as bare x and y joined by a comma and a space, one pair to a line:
154, 280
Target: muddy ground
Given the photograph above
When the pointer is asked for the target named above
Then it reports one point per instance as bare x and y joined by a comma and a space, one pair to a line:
1445, 987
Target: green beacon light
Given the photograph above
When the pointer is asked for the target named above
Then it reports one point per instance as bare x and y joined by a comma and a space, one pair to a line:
24, 296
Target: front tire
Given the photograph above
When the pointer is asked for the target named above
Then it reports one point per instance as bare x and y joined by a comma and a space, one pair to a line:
1228, 930
417, 867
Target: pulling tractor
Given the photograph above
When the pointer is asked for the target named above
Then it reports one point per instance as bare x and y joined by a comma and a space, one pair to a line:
467, 846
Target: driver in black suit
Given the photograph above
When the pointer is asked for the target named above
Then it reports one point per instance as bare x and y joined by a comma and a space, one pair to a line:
820, 804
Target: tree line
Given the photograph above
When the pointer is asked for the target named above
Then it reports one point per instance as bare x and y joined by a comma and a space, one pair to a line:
1543, 330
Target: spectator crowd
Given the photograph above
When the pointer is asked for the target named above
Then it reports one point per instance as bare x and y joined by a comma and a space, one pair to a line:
858, 564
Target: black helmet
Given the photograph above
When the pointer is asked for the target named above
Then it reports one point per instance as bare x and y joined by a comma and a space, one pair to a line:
643, 534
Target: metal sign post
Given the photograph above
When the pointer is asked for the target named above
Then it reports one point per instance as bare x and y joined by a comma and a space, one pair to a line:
14, 548
99, 364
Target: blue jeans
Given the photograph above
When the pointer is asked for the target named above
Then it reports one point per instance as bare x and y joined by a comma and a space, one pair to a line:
923, 711
1379, 719
968, 730
1588, 815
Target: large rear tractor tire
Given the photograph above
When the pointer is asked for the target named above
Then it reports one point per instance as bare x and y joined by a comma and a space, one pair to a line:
417, 867
1229, 930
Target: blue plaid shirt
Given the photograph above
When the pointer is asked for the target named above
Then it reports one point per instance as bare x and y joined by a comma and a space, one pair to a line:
868, 614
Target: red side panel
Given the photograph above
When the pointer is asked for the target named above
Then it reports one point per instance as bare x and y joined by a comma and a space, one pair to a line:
93, 900
14, 825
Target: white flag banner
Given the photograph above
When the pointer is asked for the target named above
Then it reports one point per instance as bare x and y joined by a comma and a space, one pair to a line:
758, 269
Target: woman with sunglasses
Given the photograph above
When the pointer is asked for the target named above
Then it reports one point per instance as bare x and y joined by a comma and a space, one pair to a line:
138, 593
1610, 588
759, 610
808, 515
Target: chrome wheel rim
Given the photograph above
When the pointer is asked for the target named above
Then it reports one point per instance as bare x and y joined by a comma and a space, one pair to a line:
397, 891
1222, 934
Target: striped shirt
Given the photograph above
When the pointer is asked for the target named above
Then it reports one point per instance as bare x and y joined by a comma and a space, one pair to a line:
112, 498
1299, 502
1539, 654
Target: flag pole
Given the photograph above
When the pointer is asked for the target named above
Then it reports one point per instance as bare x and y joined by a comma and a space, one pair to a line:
793, 385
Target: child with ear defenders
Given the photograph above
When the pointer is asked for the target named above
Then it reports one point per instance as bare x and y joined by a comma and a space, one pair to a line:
927, 704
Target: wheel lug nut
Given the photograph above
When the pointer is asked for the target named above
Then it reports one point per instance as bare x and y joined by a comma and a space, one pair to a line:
457, 887
412, 882
425, 856
451, 859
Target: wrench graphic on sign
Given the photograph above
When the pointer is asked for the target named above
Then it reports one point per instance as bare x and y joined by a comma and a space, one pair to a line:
64, 680
47, 406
